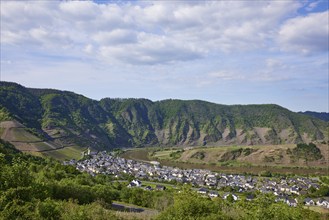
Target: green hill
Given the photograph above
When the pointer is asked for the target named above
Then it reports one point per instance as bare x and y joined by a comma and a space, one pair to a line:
71, 119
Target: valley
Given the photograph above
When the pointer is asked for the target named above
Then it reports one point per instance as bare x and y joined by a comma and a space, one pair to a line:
193, 133
164, 110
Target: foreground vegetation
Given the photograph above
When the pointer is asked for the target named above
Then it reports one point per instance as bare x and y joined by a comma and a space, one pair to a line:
37, 188
187, 205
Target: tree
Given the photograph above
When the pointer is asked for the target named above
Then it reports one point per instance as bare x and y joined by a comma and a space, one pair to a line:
189, 205
49, 209
16, 175
230, 198
2, 159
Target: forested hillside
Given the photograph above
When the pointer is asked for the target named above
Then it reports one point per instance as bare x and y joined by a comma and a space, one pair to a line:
66, 118
320, 115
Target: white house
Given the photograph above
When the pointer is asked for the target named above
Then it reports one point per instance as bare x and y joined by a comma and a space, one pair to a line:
135, 183
309, 201
292, 202
323, 203
203, 191
213, 194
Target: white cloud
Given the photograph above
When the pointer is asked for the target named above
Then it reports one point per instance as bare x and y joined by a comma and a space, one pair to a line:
47, 38
225, 75
312, 5
82, 10
10, 37
118, 36
274, 63
88, 48
306, 35
270, 77
157, 32
19, 15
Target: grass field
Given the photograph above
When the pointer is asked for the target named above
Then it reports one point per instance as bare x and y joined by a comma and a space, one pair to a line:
232, 166
271, 155
141, 154
318, 209
34, 153
66, 153
162, 155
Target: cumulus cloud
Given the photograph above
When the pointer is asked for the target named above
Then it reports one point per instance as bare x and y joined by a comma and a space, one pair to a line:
306, 35
151, 49
118, 36
147, 32
82, 10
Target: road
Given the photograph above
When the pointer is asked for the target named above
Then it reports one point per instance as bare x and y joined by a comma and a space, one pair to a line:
132, 208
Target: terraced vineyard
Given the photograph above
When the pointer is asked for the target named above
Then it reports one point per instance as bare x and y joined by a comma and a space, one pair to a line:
20, 136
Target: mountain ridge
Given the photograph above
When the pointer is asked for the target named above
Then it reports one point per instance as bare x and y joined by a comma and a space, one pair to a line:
320, 115
73, 119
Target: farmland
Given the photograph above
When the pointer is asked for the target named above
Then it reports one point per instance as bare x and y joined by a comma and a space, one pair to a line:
234, 159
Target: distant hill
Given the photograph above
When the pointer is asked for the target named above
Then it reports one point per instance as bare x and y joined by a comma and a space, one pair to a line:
68, 119
320, 115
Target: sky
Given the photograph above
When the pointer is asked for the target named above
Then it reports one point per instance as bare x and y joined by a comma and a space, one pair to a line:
226, 52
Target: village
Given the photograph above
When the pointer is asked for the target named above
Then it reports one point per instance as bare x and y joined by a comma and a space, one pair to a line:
287, 190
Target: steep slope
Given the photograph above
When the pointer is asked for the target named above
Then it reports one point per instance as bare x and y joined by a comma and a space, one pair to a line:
70, 119
20, 103
24, 138
197, 123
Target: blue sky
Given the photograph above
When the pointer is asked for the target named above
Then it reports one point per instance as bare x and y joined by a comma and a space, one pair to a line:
227, 52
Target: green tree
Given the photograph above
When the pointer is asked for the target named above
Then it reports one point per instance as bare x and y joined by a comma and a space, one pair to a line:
49, 209
16, 175
188, 205
2, 159
230, 198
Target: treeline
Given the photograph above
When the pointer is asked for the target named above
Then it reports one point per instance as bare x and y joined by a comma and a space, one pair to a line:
309, 152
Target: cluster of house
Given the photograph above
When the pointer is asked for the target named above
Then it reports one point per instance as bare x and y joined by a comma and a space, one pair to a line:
319, 202
286, 189
214, 194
